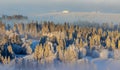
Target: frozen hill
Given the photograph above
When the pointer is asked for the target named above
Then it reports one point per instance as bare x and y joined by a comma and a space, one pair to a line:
72, 17
79, 16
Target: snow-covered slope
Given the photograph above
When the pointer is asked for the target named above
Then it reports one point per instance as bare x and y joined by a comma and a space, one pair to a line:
71, 17
82, 64
80, 16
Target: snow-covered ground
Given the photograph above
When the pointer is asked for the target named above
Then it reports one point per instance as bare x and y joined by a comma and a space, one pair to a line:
87, 63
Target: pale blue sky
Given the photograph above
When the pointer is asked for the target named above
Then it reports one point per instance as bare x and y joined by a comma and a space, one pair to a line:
31, 7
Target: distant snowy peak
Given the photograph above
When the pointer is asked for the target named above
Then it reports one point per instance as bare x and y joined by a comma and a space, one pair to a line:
65, 11
53, 13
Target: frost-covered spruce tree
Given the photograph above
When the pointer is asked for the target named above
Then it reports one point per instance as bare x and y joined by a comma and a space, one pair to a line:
27, 27
4, 60
91, 42
78, 34
60, 53
118, 44
51, 26
48, 52
100, 31
113, 44
8, 60
28, 49
4, 39
15, 38
62, 43
71, 54
33, 29
97, 39
21, 28
1, 57
38, 53
108, 42
77, 42
10, 51
81, 43
45, 28
2, 27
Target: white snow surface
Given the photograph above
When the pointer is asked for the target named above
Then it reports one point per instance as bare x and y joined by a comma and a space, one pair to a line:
87, 63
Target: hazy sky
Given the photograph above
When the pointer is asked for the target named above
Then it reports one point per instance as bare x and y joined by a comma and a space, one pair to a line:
31, 7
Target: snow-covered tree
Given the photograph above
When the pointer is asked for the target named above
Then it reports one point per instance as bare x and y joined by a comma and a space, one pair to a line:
38, 53
104, 54
71, 54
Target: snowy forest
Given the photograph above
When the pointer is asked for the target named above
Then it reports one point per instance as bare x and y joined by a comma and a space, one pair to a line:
54, 46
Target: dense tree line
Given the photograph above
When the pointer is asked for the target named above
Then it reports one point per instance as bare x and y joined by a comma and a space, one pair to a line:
64, 42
